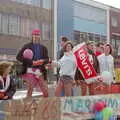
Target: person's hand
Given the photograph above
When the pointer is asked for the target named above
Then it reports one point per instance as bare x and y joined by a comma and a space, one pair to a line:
55, 63
5, 97
1, 94
99, 79
38, 62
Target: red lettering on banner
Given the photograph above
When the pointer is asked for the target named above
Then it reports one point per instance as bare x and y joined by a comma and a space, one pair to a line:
83, 59
83, 62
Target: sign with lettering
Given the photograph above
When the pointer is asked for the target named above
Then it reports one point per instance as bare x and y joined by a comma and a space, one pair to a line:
83, 62
68, 108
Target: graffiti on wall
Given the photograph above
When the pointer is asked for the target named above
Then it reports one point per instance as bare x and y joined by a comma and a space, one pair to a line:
42, 109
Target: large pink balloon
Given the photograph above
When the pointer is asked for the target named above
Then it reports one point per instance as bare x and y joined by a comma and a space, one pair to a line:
99, 106
28, 54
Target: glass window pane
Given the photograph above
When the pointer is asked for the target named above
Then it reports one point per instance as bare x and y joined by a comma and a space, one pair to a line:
47, 4
36, 2
31, 2
14, 25
46, 31
24, 28
77, 36
89, 12
97, 38
0, 22
4, 23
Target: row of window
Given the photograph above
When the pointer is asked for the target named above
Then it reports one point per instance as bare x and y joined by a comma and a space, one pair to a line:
84, 36
115, 41
89, 13
21, 26
45, 3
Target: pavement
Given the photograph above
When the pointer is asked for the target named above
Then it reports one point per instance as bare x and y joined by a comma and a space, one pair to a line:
20, 94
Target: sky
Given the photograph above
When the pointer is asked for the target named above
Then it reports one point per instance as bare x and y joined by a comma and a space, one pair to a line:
114, 3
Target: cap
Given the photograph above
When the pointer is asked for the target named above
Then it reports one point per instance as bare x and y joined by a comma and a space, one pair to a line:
36, 32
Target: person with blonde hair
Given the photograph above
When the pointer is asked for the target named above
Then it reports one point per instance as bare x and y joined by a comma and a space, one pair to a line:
7, 83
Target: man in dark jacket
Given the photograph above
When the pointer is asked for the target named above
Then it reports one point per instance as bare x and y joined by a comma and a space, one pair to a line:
38, 61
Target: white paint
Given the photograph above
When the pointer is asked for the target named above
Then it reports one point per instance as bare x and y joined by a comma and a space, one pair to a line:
114, 3
93, 3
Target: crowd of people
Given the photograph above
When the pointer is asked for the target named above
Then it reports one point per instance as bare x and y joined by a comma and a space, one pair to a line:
34, 73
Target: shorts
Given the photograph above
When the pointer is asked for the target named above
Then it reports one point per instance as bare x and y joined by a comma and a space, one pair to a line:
66, 79
31, 77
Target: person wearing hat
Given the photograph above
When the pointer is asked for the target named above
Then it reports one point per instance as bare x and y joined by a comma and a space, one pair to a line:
90, 47
37, 63
67, 67
60, 54
91, 50
7, 83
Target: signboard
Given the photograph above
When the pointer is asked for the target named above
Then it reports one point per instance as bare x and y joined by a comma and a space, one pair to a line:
83, 62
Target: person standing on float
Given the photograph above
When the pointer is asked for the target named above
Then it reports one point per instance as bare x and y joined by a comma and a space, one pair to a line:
67, 65
94, 62
35, 73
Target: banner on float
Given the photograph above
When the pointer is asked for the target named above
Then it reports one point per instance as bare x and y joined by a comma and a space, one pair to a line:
34, 109
81, 108
68, 108
83, 62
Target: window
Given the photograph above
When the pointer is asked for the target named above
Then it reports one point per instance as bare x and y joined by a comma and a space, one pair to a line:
31, 2
0, 22
90, 36
35, 3
47, 4
32, 25
9, 24
77, 36
27, 26
116, 44
97, 38
14, 23
103, 38
89, 13
4, 24
46, 32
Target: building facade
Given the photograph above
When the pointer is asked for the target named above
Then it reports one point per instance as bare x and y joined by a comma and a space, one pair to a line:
17, 20
115, 29
82, 20
90, 21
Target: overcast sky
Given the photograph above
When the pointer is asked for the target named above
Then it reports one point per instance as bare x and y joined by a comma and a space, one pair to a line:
114, 3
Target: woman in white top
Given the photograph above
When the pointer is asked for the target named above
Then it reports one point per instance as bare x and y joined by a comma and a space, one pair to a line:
67, 66
106, 60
